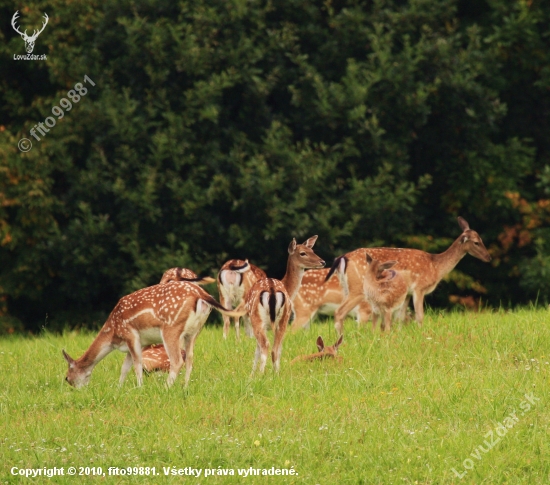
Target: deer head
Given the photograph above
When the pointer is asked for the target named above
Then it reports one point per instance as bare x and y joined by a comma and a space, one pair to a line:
303, 256
472, 243
29, 41
380, 270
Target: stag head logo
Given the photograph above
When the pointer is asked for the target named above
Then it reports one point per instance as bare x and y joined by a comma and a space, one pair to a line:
29, 40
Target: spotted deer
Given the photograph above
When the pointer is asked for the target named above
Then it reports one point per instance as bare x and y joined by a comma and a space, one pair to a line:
172, 313
235, 279
324, 352
184, 274
155, 358
385, 290
317, 296
269, 302
422, 271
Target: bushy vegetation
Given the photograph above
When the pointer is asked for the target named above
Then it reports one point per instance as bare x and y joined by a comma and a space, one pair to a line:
224, 129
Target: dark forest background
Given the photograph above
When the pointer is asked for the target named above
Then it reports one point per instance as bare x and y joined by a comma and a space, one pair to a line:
221, 129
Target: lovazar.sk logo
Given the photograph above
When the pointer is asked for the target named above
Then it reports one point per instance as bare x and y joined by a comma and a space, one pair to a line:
29, 40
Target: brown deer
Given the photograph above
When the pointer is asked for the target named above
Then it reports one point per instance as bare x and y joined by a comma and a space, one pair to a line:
155, 358
317, 296
422, 271
324, 352
385, 290
173, 313
269, 302
235, 279
184, 274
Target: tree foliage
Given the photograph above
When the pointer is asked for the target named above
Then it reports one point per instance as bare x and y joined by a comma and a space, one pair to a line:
224, 129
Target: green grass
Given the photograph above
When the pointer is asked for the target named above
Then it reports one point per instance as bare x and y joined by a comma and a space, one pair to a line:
401, 408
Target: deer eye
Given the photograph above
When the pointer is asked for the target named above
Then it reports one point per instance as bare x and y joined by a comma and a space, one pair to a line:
476, 243
302, 253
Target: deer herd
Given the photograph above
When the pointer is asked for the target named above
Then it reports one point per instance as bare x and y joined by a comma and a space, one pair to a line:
157, 326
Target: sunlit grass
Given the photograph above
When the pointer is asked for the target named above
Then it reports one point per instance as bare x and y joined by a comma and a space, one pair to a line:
407, 407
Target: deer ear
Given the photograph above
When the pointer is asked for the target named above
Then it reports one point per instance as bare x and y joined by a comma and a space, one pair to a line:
337, 344
68, 358
387, 265
292, 246
320, 343
369, 259
464, 239
463, 224
311, 242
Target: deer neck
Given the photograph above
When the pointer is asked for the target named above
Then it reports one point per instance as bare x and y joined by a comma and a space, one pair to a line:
293, 278
446, 261
98, 350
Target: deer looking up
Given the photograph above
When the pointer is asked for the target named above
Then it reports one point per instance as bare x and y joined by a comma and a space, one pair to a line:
422, 271
385, 290
171, 313
324, 352
269, 301
235, 279
317, 296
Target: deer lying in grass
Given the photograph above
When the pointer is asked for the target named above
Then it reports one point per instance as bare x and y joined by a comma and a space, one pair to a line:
324, 352
173, 313
184, 274
317, 296
422, 271
235, 279
155, 358
269, 302
385, 290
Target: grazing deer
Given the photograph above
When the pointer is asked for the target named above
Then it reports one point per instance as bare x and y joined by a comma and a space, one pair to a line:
155, 358
319, 296
173, 313
269, 301
385, 290
184, 274
324, 352
422, 271
235, 279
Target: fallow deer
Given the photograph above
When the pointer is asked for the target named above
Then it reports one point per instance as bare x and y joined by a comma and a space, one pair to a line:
184, 274
269, 302
324, 352
317, 296
385, 290
155, 358
172, 313
235, 279
422, 271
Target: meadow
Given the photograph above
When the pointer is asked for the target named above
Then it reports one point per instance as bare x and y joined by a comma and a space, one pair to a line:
406, 407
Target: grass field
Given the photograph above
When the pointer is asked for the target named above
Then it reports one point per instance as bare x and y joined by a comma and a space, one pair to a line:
402, 408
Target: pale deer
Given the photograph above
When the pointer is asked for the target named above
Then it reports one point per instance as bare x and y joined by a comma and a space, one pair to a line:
317, 296
385, 289
184, 274
324, 352
422, 271
235, 279
172, 313
269, 302
155, 358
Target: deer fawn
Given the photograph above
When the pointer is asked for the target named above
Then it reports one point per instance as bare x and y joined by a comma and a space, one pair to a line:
385, 290
172, 313
184, 274
235, 279
155, 358
324, 352
317, 296
422, 271
269, 301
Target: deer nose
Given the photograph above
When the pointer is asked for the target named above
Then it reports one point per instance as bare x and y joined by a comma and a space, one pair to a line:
322, 262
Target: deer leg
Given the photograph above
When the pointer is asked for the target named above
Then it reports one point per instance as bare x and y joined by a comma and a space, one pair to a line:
134, 348
375, 321
278, 341
364, 312
126, 366
347, 306
171, 339
401, 314
226, 320
189, 348
248, 326
237, 325
261, 351
418, 302
387, 320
